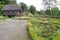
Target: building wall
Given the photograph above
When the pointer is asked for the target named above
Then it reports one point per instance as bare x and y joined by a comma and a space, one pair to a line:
11, 12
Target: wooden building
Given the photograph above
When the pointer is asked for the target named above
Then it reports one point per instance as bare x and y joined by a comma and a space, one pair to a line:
12, 10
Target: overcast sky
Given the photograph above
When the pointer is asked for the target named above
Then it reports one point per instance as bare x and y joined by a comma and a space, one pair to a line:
37, 3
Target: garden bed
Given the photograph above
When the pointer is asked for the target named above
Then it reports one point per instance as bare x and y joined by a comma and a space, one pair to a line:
41, 30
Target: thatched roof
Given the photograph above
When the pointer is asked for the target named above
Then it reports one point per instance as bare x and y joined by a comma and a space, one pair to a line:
12, 7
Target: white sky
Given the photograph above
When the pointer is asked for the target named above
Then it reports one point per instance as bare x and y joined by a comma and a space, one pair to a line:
37, 3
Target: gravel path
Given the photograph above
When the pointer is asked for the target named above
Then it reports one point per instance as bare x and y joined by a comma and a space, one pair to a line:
13, 30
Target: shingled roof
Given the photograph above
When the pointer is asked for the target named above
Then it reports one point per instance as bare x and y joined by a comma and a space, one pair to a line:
12, 7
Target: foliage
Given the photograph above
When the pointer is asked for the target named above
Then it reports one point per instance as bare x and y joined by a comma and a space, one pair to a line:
22, 18
7, 2
49, 3
32, 9
42, 12
3, 18
1, 9
55, 11
30, 15
51, 9
48, 12
57, 37
44, 29
24, 7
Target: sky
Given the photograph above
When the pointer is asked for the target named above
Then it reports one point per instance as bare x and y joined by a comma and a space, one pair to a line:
37, 3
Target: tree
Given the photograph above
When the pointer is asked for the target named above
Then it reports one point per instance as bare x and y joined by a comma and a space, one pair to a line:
49, 3
7, 2
12, 1
38, 12
24, 7
32, 9
1, 9
4, 1
48, 12
55, 11
42, 12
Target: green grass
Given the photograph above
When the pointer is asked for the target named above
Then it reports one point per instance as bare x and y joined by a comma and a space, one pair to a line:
23, 18
3, 18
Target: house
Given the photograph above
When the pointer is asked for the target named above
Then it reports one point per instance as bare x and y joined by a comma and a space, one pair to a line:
12, 10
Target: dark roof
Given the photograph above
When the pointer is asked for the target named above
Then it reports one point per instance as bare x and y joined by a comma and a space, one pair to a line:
12, 7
